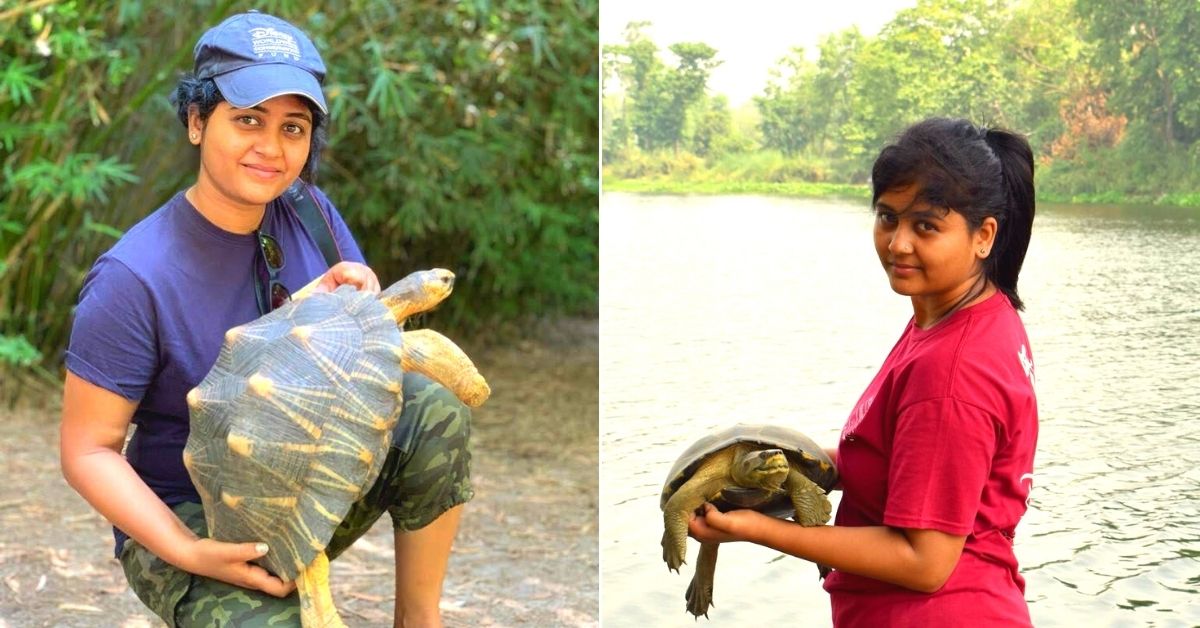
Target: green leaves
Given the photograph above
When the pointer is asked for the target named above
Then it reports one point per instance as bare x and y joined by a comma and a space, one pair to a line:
16, 351
17, 82
82, 177
459, 140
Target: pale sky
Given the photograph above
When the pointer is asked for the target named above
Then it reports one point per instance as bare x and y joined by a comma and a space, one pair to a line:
750, 36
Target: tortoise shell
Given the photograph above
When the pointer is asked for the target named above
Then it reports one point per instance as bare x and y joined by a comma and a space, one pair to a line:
801, 451
294, 421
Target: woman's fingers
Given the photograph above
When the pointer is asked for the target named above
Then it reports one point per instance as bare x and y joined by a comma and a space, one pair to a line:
229, 562
358, 275
261, 579
713, 526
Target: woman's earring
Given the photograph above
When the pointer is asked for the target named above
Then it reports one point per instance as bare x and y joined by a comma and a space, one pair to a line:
192, 137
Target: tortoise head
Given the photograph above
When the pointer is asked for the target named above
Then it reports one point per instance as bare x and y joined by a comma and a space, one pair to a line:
419, 292
760, 468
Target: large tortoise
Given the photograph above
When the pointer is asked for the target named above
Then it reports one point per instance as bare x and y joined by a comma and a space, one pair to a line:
294, 421
772, 469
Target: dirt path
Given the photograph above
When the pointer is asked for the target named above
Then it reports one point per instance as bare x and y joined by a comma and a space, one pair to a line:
527, 552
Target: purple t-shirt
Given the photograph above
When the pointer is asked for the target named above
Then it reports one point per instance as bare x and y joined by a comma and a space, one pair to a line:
154, 310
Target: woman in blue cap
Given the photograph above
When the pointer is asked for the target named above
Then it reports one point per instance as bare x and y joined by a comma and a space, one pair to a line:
150, 322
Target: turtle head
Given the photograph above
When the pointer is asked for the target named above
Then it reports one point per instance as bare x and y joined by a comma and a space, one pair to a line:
419, 292
760, 468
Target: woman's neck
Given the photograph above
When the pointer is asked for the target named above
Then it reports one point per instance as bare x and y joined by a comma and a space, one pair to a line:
927, 312
223, 213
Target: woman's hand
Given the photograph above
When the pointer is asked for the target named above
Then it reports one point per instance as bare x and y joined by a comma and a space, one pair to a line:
715, 526
358, 275
229, 562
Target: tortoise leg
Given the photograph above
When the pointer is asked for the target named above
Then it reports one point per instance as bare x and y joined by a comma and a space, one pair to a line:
427, 352
316, 601
706, 482
811, 504
809, 500
675, 527
700, 589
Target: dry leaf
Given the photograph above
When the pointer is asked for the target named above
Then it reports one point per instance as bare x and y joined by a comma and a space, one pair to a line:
13, 583
41, 583
366, 597
116, 589
82, 608
59, 557
87, 570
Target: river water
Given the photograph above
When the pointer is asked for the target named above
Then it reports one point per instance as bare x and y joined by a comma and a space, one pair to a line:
716, 310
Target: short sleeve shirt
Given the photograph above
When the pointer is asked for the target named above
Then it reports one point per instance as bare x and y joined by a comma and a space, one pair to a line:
154, 309
943, 439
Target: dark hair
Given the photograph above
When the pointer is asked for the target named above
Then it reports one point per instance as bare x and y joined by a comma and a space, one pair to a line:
977, 172
205, 96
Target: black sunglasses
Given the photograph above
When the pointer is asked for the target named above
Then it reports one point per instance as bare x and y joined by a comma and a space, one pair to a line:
276, 294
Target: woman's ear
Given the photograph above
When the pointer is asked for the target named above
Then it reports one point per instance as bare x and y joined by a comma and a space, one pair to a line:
195, 125
985, 236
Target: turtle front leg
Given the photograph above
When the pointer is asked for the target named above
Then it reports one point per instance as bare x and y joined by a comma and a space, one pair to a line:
811, 504
678, 510
809, 500
316, 601
674, 540
431, 354
700, 589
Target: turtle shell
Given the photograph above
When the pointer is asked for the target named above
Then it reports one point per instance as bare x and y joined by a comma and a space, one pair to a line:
800, 450
293, 423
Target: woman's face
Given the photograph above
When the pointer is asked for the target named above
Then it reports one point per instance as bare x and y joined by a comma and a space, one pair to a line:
250, 156
928, 252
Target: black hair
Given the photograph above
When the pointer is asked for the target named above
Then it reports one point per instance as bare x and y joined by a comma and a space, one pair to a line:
975, 171
205, 96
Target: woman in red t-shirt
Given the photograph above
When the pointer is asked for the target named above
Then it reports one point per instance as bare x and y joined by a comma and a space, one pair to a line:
936, 458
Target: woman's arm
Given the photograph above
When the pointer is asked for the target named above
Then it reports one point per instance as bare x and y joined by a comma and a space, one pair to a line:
94, 424
921, 560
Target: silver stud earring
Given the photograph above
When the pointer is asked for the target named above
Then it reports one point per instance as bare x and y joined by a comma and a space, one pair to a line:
193, 137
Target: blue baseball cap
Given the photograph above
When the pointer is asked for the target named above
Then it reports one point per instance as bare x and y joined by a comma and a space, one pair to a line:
255, 57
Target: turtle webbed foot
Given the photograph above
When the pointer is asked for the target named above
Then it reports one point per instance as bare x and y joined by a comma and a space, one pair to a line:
699, 599
699, 593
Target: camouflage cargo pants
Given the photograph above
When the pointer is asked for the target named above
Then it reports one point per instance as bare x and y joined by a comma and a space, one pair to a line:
426, 473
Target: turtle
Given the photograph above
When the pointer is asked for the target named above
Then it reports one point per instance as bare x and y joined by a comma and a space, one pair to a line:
293, 422
773, 469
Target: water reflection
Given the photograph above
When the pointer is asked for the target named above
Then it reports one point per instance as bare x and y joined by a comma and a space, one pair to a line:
723, 309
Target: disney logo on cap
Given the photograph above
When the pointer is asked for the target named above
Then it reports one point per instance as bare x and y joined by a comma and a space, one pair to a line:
265, 40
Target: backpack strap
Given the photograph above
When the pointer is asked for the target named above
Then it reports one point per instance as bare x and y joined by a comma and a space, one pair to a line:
301, 200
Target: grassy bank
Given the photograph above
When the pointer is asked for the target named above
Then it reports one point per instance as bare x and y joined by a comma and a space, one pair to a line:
790, 188
1100, 179
805, 189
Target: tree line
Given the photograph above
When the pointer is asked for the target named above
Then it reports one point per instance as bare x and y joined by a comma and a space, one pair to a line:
1106, 92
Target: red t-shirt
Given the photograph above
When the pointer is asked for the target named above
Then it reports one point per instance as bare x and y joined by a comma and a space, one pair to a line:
943, 439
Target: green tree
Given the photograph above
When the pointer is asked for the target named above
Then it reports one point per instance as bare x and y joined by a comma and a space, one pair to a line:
784, 106
631, 66
1147, 51
685, 86
830, 98
941, 57
710, 126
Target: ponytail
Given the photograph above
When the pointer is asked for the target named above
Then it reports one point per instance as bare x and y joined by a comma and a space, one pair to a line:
1015, 224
